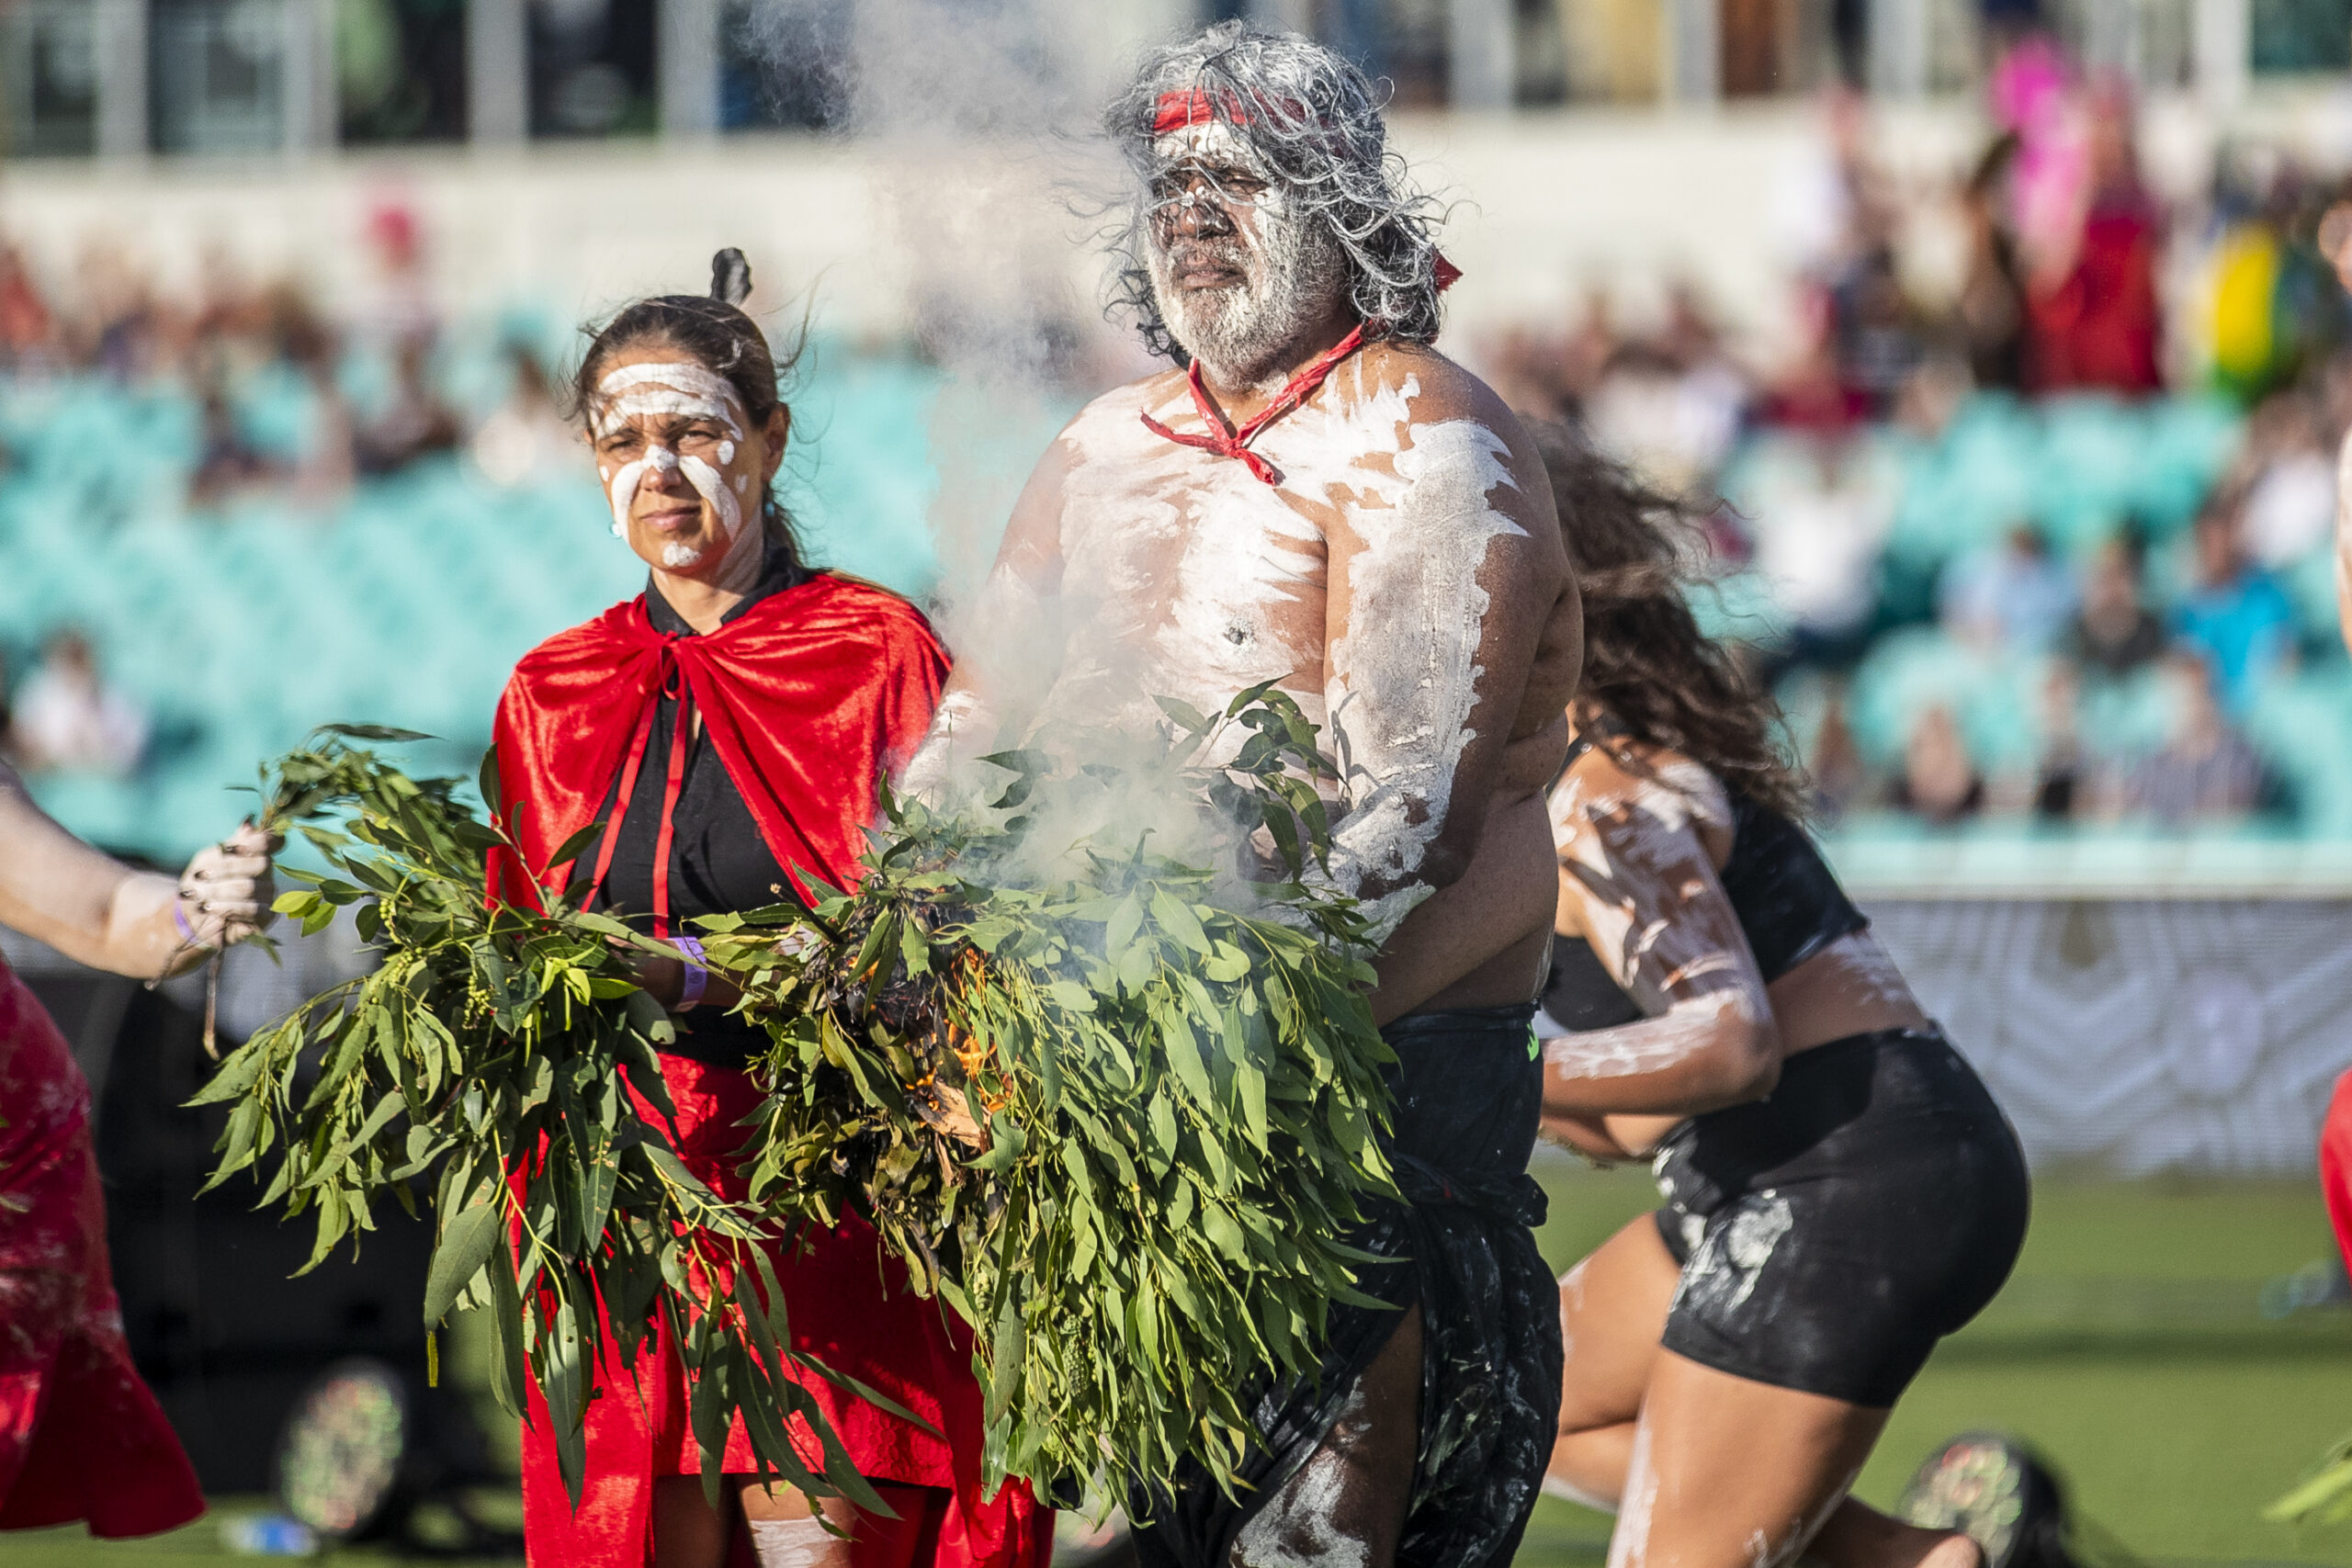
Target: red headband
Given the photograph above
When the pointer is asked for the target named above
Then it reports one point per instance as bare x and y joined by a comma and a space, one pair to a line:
1187, 107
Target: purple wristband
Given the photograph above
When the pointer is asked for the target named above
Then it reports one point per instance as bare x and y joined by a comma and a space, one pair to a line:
697, 978
179, 919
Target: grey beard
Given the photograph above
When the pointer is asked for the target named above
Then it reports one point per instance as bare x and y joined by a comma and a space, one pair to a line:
1239, 335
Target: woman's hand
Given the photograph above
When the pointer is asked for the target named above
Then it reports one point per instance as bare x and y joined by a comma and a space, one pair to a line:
226, 891
664, 979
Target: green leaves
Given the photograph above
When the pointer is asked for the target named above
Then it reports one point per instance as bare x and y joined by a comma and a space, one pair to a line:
490, 1059
1172, 1077
466, 1238
1113, 1105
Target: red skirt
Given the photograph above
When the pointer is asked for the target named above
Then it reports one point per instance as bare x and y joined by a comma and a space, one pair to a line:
852, 1309
81, 1438
2335, 1165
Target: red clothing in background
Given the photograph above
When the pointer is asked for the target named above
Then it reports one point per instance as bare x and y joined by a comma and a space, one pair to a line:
2335, 1165
81, 1438
807, 697
2098, 330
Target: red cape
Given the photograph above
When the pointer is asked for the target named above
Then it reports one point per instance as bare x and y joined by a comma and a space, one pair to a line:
809, 696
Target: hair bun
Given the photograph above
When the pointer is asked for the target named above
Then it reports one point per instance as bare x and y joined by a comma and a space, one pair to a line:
731, 277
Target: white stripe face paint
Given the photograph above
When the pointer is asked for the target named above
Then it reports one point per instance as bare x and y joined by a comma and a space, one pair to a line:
660, 460
679, 390
712, 486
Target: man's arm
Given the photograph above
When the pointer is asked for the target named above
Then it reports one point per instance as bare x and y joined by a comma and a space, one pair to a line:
1005, 641
1437, 600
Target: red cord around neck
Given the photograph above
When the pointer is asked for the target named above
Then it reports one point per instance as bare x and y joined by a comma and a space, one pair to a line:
1224, 441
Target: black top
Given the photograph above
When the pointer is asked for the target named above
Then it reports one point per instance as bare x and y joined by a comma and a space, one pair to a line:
719, 862
1788, 901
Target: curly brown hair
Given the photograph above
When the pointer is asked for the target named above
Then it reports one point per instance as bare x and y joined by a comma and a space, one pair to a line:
1647, 665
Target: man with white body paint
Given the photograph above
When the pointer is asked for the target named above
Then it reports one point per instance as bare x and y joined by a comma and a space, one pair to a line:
1321, 500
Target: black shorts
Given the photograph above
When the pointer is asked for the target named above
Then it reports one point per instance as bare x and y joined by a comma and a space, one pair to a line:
1830, 1234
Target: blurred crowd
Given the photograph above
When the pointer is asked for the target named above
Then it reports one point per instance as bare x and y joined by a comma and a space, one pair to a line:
118, 400
2032, 522
2043, 534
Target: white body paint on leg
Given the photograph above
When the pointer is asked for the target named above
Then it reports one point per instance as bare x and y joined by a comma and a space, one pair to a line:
795, 1543
1629, 1543
1294, 1530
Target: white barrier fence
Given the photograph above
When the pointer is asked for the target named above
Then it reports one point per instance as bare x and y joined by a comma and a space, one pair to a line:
2143, 1034
2127, 1035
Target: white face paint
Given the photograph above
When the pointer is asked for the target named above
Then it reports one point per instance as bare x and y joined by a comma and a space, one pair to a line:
1292, 269
623, 490
681, 390
655, 387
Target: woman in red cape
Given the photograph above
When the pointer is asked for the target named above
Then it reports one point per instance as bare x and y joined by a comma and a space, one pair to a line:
81, 1438
727, 728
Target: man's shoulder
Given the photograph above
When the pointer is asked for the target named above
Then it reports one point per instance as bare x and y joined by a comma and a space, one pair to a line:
1120, 406
1436, 387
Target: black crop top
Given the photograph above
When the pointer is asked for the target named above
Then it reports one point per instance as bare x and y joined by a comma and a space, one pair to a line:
1788, 901
718, 862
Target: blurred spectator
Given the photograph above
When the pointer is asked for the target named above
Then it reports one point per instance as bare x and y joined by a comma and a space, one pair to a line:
414, 423
2291, 498
526, 438
2091, 304
2205, 772
1818, 509
1938, 781
2114, 632
1834, 762
67, 718
1990, 313
1878, 342
2060, 781
401, 313
26, 326
227, 464
2011, 595
2235, 615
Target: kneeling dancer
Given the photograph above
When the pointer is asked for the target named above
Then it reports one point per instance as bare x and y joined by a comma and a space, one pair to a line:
727, 727
1319, 499
1841, 1189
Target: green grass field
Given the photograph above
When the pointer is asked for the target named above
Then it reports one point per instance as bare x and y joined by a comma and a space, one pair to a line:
2128, 1348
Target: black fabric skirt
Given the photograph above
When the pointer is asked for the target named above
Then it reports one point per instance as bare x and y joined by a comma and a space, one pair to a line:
1468, 1088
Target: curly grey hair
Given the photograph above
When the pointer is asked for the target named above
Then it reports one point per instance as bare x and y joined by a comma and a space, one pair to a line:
1314, 121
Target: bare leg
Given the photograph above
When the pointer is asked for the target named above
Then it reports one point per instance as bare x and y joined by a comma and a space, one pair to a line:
1733, 1473
1345, 1506
689, 1533
785, 1534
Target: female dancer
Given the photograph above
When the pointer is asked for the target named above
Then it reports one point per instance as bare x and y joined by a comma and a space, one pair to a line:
81, 1438
727, 727
1840, 1188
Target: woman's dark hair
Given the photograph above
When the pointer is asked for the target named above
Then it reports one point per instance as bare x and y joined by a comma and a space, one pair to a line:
1647, 664
713, 328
